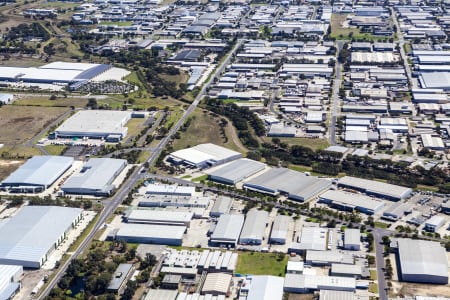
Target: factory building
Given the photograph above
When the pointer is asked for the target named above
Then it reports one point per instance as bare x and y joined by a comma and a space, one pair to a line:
434, 223
120, 278
262, 287
422, 261
30, 236
326, 258
300, 283
352, 239
396, 211
221, 206
254, 228
95, 124
149, 234
95, 178
333, 295
159, 217
10, 276
227, 230
296, 185
203, 156
169, 190
73, 74
280, 229
236, 171
350, 202
37, 174
376, 188
295, 267
217, 284
311, 238
345, 270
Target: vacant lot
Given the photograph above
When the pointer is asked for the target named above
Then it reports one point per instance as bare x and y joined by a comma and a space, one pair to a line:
60, 101
8, 166
20, 124
204, 128
257, 263
340, 29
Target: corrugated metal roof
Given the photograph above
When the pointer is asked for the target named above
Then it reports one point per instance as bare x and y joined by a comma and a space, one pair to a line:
39, 170
280, 227
228, 227
255, 225
97, 174
237, 170
266, 288
33, 231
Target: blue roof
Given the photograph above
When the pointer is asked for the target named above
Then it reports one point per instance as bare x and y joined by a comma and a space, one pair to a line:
39, 171
27, 237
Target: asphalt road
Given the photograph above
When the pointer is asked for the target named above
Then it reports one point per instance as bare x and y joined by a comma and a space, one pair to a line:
131, 181
335, 96
379, 258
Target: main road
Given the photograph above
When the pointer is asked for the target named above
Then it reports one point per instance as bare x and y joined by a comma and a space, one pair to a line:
131, 181
335, 95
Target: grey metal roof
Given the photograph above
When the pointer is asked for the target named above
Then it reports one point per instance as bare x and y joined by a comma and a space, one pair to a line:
356, 200
222, 205
237, 170
296, 184
119, 276
336, 295
255, 225
422, 258
33, 231
280, 227
8, 284
266, 288
96, 175
39, 170
228, 227
372, 186
352, 236
161, 294
151, 231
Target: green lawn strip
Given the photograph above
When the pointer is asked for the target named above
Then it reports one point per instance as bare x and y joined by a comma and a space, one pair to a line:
257, 263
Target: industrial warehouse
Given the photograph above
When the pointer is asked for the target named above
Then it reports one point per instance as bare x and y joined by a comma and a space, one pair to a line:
376, 188
37, 174
254, 227
71, 74
236, 171
96, 124
149, 234
227, 230
159, 217
10, 276
280, 229
203, 156
28, 238
350, 201
422, 261
296, 185
95, 177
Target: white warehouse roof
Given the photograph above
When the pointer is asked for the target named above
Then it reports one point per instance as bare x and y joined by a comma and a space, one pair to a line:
95, 177
159, 216
95, 123
236, 171
360, 202
254, 227
313, 238
264, 287
228, 228
27, 237
280, 228
39, 171
10, 276
423, 261
155, 234
204, 154
387, 190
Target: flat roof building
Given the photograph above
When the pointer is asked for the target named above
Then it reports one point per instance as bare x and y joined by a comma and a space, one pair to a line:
345, 270
376, 188
204, 155
432, 142
352, 239
313, 238
254, 228
221, 206
236, 171
349, 202
326, 258
217, 284
227, 230
263, 287
95, 178
434, 223
159, 217
120, 278
300, 283
336, 295
10, 277
29, 237
37, 174
150, 234
170, 190
96, 124
161, 294
295, 185
280, 229
422, 261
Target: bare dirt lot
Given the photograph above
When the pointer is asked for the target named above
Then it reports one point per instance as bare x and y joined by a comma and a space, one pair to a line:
413, 289
8, 166
21, 123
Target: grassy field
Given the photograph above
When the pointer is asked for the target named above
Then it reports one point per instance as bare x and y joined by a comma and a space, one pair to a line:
7, 167
18, 152
124, 23
205, 129
20, 124
55, 149
373, 274
200, 178
257, 263
314, 144
373, 288
338, 31
381, 225
37, 100
135, 126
